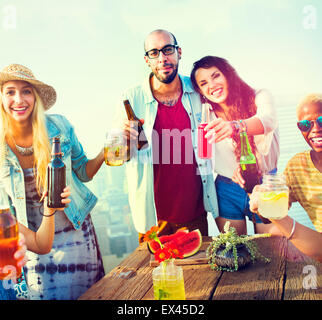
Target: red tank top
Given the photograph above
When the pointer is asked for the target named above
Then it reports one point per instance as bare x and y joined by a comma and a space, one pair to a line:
177, 186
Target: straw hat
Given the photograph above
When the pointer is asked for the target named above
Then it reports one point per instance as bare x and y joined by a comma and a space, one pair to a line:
19, 72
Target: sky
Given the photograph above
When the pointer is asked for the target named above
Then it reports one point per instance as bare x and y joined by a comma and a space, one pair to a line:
92, 51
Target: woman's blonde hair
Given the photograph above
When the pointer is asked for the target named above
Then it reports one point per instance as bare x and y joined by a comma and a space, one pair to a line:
40, 140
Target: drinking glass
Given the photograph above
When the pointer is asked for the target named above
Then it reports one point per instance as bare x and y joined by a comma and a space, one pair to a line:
204, 147
168, 283
8, 239
114, 147
273, 197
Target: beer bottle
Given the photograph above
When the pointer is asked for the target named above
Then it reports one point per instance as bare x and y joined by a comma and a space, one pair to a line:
249, 168
56, 176
248, 164
142, 142
8, 238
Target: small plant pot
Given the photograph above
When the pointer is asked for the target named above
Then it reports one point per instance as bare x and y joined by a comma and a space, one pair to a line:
227, 260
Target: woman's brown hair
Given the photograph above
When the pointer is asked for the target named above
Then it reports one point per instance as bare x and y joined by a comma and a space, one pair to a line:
240, 99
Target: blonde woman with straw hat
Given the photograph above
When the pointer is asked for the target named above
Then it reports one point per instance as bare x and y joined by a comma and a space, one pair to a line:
74, 263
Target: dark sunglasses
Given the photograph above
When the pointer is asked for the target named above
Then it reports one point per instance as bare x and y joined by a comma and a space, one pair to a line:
166, 50
306, 125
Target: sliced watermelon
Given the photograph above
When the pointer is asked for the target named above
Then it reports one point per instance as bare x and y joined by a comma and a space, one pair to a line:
153, 245
189, 244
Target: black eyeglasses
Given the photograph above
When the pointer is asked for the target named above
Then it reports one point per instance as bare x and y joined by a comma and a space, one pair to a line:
306, 125
166, 50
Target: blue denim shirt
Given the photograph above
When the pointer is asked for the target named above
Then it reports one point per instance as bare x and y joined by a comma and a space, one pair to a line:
82, 199
140, 168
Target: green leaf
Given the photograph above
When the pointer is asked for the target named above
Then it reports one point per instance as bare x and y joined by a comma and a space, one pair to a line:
163, 294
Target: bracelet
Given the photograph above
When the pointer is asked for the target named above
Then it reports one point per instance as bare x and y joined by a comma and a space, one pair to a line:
293, 229
236, 128
243, 125
48, 215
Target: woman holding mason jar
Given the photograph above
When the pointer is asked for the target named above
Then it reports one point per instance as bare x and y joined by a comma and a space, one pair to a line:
236, 107
74, 263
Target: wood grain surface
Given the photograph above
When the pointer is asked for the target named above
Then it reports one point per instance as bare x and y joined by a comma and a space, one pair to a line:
289, 275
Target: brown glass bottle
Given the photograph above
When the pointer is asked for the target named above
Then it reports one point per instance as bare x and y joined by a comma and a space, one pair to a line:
56, 177
142, 142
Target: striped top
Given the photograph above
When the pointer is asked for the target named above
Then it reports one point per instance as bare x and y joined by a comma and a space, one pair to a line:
305, 184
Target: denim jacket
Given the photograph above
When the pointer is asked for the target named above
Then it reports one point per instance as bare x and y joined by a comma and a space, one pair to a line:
82, 199
139, 169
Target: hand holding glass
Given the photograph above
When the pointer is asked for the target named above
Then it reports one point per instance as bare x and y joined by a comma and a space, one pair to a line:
273, 197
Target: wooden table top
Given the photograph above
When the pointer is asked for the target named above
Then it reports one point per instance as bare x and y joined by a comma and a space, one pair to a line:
289, 276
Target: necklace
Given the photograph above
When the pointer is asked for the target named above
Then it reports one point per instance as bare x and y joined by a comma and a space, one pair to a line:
24, 151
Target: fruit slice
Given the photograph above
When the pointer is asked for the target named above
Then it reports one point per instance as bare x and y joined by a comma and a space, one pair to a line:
153, 245
272, 196
189, 244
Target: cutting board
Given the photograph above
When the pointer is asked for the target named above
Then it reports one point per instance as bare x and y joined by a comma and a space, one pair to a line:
198, 258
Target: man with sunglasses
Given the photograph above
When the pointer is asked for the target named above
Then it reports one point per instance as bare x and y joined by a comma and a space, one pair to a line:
304, 179
168, 184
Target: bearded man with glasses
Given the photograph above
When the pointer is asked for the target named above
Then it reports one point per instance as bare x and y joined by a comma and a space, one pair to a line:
168, 184
304, 179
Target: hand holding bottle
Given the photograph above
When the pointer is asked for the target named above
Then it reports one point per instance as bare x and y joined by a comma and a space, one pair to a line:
130, 133
64, 199
135, 124
253, 199
18, 260
41, 241
20, 254
238, 178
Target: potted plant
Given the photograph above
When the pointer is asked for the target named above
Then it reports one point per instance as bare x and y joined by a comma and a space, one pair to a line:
229, 251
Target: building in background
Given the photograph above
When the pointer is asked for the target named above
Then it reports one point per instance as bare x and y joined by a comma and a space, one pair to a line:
111, 216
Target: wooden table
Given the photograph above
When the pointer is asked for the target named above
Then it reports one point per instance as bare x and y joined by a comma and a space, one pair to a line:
289, 276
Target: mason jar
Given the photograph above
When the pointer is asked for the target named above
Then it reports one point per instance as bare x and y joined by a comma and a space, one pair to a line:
114, 147
273, 197
168, 283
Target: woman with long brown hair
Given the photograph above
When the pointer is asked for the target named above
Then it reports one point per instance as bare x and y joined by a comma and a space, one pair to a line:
235, 106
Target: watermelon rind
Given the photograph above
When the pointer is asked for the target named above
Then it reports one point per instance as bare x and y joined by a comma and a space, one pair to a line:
189, 244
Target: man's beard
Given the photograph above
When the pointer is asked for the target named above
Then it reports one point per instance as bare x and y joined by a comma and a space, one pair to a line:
168, 78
